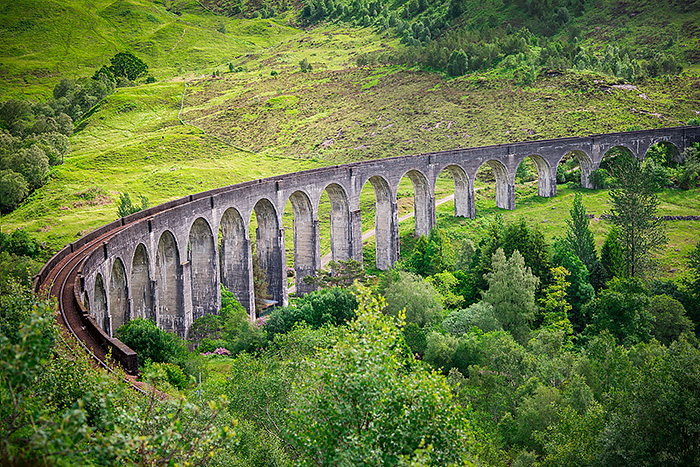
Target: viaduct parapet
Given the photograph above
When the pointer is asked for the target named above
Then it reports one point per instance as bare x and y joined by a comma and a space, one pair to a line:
166, 263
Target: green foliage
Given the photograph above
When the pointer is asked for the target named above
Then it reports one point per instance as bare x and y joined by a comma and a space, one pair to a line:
634, 213
511, 292
478, 315
691, 285
555, 307
612, 256
432, 255
13, 190
579, 237
623, 310
412, 295
126, 65
230, 329
158, 373
304, 65
339, 274
580, 291
457, 64
361, 378
151, 343
125, 207
670, 320
335, 306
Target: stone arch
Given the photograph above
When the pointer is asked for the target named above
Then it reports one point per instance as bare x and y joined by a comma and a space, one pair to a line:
118, 297
385, 223
235, 258
201, 253
675, 152
585, 164
171, 310
341, 239
546, 179
306, 246
423, 203
269, 238
141, 285
463, 195
505, 192
99, 309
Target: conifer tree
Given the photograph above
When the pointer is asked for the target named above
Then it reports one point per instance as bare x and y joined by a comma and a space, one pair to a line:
579, 237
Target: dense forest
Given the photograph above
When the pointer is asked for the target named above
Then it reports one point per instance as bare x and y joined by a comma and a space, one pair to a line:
489, 342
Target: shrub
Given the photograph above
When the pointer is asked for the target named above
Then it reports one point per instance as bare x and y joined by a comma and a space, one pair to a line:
13, 190
600, 179
158, 373
150, 342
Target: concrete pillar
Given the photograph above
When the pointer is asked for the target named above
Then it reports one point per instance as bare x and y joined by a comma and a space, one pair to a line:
118, 295
204, 270
394, 243
470, 204
236, 259
183, 322
141, 285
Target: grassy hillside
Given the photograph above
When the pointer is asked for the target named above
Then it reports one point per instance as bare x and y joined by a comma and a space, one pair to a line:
268, 117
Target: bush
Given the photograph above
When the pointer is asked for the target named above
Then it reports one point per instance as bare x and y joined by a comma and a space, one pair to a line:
13, 190
158, 373
149, 342
600, 179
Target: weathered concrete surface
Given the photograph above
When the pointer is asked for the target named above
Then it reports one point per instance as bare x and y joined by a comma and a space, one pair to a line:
166, 263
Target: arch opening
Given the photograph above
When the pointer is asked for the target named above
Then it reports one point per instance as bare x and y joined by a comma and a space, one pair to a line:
575, 167
269, 255
339, 217
385, 220
494, 173
235, 259
118, 297
423, 202
201, 253
171, 310
99, 310
141, 285
305, 241
535, 167
462, 199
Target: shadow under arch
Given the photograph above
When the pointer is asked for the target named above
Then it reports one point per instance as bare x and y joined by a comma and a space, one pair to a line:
141, 285
171, 310
269, 239
385, 223
235, 259
118, 297
306, 247
663, 152
423, 203
99, 308
201, 253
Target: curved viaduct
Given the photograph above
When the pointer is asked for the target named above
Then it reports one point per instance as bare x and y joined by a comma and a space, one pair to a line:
167, 263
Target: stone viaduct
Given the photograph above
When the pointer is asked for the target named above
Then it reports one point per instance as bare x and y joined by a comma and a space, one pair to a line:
167, 263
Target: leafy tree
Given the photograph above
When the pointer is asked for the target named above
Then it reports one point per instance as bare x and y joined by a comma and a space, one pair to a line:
512, 293
360, 406
580, 291
457, 64
634, 205
555, 307
612, 256
579, 237
304, 65
670, 320
623, 310
33, 164
13, 190
406, 292
479, 315
150, 342
691, 285
125, 207
127, 65
339, 274
531, 245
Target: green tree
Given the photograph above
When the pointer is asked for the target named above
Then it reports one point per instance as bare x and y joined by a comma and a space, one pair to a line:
361, 406
13, 190
409, 293
612, 257
623, 310
457, 64
634, 206
670, 320
125, 207
555, 307
304, 65
511, 292
579, 237
691, 285
127, 65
